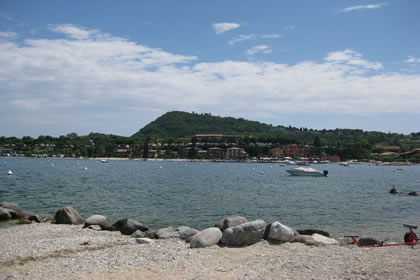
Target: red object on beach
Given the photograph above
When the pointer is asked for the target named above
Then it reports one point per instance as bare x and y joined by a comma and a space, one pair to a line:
410, 239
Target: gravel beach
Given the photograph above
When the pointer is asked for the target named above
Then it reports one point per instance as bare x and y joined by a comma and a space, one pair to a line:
50, 251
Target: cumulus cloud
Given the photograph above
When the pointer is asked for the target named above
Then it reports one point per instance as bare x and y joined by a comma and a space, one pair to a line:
7, 35
362, 7
86, 79
241, 38
412, 59
225, 26
350, 57
259, 49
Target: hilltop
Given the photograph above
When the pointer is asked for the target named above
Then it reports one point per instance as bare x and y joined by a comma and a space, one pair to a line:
178, 124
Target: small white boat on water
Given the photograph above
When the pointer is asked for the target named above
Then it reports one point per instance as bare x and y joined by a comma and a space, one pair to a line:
306, 171
10, 173
344, 164
105, 161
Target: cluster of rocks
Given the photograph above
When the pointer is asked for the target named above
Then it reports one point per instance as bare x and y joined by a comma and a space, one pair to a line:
235, 231
12, 211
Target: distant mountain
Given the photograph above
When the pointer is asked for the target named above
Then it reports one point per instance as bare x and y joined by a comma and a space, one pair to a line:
180, 124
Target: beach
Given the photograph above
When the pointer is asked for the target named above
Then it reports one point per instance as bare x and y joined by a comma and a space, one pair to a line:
51, 251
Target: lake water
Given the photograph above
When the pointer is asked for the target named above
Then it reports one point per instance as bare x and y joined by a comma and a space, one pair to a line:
351, 200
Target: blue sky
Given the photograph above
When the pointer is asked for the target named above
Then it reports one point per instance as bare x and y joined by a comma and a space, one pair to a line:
115, 66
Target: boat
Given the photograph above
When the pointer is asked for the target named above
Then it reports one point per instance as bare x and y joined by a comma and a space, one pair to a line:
104, 161
10, 173
344, 164
306, 171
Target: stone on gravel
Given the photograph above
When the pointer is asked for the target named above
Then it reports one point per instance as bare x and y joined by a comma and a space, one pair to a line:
138, 234
94, 227
167, 233
367, 241
306, 239
244, 234
281, 232
128, 226
188, 234
68, 215
6, 214
144, 240
230, 222
208, 237
323, 240
99, 220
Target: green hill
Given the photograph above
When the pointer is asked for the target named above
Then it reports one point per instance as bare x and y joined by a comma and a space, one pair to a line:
180, 124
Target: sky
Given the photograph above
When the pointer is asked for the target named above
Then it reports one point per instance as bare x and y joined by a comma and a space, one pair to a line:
114, 66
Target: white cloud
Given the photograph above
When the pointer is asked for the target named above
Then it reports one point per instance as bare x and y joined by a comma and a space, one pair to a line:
350, 57
271, 36
412, 59
259, 49
225, 26
7, 35
87, 79
241, 38
362, 7
73, 31
289, 27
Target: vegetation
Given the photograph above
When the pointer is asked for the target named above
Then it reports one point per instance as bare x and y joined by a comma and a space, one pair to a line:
168, 135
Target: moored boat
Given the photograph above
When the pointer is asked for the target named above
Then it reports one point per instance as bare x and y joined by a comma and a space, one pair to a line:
306, 171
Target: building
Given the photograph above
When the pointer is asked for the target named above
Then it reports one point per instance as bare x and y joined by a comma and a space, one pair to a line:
216, 153
276, 152
235, 153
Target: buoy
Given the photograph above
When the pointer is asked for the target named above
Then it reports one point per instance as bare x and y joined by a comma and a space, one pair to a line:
85, 168
161, 167
10, 172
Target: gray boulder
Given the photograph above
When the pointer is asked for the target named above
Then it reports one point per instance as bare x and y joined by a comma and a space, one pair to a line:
14, 209
138, 234
230, 222
280, 232
306, 239
206, 238
5, 214
323, 240
367, 241
312, 231
244, 234
167, 233
128, 226
99, 220
68, 215
188, 234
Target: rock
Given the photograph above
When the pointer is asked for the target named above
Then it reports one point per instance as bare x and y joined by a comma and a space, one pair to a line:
323, 240
280, 232
14, 210
312, 231
68, 215
306, 239
167, 233
144, 240
206, 238
244, 234
414, 193
138, 234
230, 222
5, 214
367, 241
99, 220
187, 235
35, 218
151, 233
128, 226
95, 227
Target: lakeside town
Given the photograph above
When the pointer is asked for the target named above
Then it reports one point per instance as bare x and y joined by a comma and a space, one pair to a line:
213, 147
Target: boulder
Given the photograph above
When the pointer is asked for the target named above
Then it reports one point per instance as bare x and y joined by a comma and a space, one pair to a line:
68, 215
5, 214
280, 232
244, 234
99, 220
230, 222
312, 231
138, 234
188, 234
367, 241
144, 240
414, 193
14, 209
128, 226
35, 218
323, 240
306, 239
94, 227
206, 238
167, 233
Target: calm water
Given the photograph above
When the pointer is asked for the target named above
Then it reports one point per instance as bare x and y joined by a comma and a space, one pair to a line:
351, 200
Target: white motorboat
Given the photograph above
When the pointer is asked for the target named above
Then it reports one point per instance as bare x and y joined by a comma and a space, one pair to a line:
306, 171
